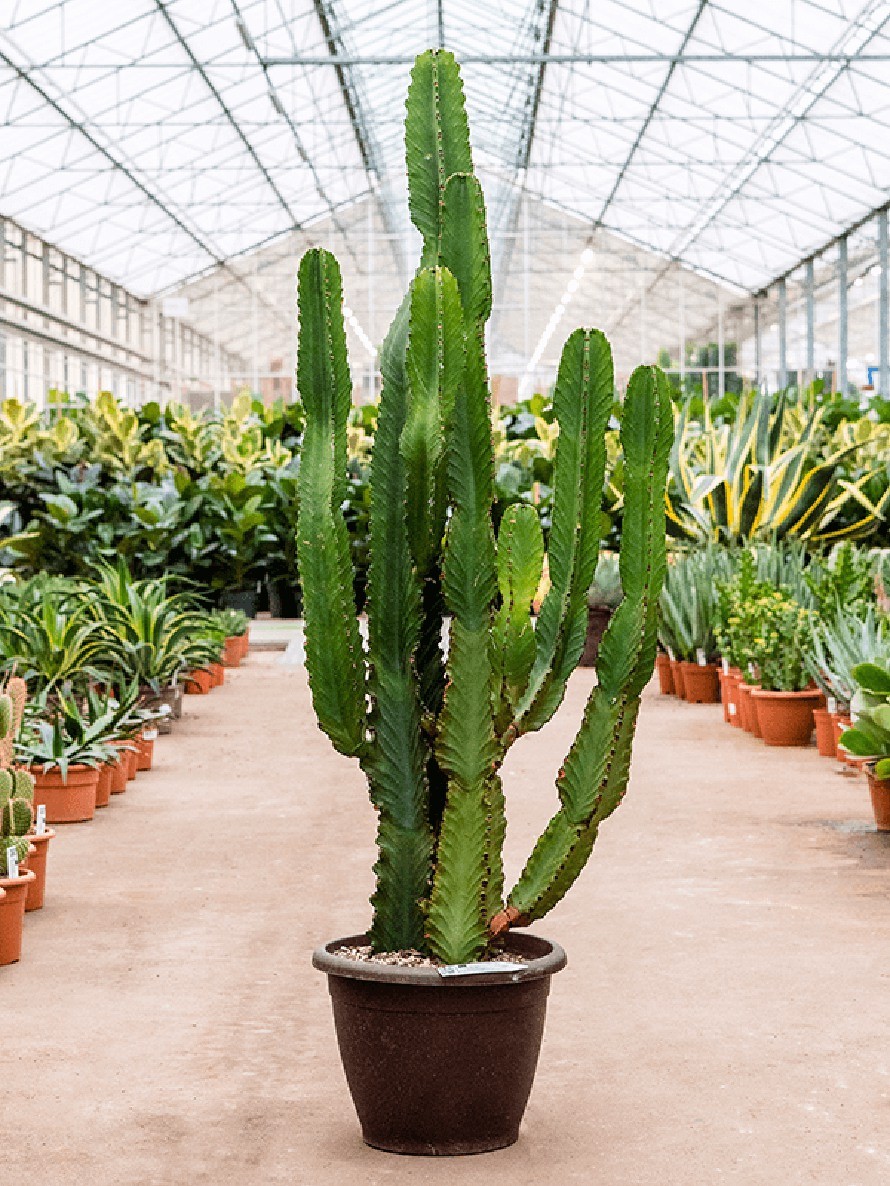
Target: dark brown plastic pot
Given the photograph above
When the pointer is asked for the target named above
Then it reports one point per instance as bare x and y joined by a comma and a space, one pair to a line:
434, 1065
598, 618
665, 677
879, 789
700, 683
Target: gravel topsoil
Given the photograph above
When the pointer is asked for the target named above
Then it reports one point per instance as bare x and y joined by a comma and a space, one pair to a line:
416, 959
723, 1020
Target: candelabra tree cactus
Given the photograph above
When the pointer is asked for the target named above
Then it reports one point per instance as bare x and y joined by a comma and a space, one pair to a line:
16, 786
429, 722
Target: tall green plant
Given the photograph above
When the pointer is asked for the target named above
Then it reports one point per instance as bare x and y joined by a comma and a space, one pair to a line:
431, 725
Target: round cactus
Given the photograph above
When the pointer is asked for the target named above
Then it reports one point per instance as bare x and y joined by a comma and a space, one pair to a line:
23, 784
7, 785
16, 818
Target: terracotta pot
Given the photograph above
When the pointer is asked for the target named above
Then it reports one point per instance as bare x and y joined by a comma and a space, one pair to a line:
232, 651
12, 914
598, 619
119, 771
245, 644
677, 677
665, 676
825, 733
786, 718
731, 681
198, 683
66, 802
131, 758
435, 1065
103, 785
747, 715
701, 684
36, 862
879, 789
841, 723
217, 675
145, 750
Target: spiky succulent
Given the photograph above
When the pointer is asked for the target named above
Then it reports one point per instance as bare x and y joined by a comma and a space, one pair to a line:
430, 723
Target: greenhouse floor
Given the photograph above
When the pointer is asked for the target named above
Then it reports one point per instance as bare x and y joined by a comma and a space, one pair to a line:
723, 1018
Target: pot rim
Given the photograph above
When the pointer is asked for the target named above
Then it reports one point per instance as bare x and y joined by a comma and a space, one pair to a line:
548, 957
44, 837
74, 768
24, 875
804, 694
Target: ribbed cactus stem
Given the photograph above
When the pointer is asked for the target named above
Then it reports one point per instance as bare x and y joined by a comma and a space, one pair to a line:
431, 722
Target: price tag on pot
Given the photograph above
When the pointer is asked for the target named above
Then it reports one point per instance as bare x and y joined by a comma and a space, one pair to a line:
733, 708
725, 663
483, 969
831, 704
40, 822
12, 861
149, 734
701, 657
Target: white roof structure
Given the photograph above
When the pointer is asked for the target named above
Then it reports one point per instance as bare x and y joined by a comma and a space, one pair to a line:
699, 149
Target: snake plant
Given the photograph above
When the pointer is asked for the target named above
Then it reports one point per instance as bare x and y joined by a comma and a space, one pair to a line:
431, 724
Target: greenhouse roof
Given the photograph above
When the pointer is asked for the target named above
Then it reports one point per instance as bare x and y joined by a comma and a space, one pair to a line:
161, 139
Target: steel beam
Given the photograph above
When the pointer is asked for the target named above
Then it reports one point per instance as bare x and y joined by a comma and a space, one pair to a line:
884, 303
783, 335
842, 328
350, 61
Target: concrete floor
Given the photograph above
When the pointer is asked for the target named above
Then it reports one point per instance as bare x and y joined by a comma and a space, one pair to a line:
724, 1017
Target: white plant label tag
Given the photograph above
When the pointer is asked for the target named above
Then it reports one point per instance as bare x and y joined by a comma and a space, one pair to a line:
149, 734
732, 708
831, 704
725, 666
482, 969
40, 822
701, 657
12, 862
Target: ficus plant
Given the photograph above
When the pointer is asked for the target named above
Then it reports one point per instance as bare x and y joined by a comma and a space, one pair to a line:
431, 723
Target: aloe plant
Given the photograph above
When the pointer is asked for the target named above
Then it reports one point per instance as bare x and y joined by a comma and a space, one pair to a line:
429, 725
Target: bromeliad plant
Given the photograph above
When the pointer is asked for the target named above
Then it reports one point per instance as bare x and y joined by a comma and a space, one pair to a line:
431, 729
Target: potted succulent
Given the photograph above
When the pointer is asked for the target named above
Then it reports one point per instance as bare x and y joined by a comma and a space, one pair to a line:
869, 736
64, 754
431, 1070
233, 626
837, 644
603, 598
16, 814
687, 611
786, 697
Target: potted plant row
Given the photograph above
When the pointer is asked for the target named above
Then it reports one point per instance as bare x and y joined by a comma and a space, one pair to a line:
440, 1047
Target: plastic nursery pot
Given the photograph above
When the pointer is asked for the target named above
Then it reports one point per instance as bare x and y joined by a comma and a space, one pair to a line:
700, 683
70, 801
103, 785
131, 760
145, 749
841, 724
747, 715
198, 683
245, 643
232, 651
217, 675
677, 677
825, 732
879, 789
731, 681
36, 862
598, 618
786, 718
440, 1065
665, 676
119, 770
12, 914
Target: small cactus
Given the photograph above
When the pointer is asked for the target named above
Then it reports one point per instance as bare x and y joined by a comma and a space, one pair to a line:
7, 715
16, 786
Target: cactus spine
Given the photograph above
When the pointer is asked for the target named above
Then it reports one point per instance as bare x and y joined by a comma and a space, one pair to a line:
431, 730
